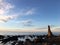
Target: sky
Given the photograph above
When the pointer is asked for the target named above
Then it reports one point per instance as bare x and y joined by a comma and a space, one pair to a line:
17, 15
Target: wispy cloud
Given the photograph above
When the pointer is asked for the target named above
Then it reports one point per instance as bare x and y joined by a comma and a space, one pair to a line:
30, 12
4, 18
25, 22
5, 7
27, 11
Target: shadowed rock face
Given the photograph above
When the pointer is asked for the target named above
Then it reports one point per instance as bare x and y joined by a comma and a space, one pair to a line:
49, 32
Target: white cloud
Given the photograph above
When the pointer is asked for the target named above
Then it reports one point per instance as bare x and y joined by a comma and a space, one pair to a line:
27, 12
5, 7
1, 0
30, 12
2, 11
4, 18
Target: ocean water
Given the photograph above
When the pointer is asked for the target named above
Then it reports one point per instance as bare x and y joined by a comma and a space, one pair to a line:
28, 33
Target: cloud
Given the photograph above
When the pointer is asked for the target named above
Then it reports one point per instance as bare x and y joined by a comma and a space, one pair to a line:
25, 22
5, 7
30, 12
4, 18
27, 12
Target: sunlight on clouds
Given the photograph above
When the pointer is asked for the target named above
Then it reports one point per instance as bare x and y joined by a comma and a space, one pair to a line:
2, 11
5, 7
4, 18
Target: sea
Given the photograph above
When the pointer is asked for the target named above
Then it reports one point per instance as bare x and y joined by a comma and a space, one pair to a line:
28, 33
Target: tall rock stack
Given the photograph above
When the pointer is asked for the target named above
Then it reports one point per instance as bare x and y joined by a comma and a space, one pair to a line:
49, 32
